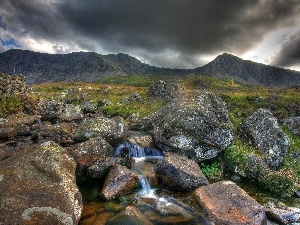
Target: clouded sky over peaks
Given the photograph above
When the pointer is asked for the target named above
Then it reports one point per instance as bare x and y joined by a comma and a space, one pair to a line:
169, 33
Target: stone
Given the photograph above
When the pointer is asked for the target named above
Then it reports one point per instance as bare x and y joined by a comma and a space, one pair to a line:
281, 213
196, 125
119, 181
262, 130
226, 204
38, 184
131, 216
88, 107
140, 138
70, 112
13, 85
164, 91
293, 123
100, 168
180, 173
102, 218
50, 110
88, 152
88, 211
112, 129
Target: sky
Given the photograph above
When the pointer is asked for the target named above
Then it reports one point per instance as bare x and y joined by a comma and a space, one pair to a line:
164, 33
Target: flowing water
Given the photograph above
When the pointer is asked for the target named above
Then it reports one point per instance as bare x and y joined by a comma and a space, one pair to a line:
161, 206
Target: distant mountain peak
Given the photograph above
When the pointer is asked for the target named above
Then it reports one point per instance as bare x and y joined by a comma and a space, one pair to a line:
91, 66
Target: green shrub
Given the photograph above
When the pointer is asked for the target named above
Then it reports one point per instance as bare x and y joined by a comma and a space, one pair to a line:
10, 105
211, 171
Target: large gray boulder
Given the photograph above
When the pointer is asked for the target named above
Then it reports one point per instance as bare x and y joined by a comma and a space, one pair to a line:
226, 204
38, 185
179, 173
195, 125
112, 130
261, 130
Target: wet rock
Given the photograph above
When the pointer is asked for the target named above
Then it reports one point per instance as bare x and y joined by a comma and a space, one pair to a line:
119, 181
180, 173
88, 211
113, 130
195, 125
86, 153
234, 205
262, 130
131, 216
102, 218
141, 138
293, 123
100, 168
164, 91
88, 221
282, 213
38, 185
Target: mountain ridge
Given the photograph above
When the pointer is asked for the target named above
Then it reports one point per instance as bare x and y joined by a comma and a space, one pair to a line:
91, 66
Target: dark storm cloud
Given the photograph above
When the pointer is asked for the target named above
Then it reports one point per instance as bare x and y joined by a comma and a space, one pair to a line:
155, 30
194, 26
289, 54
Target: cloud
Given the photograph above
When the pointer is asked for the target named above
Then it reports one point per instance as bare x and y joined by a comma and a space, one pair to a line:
289, 55
170, 33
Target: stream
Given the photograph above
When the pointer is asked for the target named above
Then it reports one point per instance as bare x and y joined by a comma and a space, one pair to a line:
157, 205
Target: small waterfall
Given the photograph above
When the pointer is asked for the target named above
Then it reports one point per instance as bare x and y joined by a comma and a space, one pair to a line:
136, 151
145, 185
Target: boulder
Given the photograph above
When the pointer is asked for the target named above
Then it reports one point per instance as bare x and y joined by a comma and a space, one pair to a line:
293, 123
119, 181
281, 213
88, 107
50, 110
226, 204
100, 168
164, 91
261, 129
196, 125
86, 153
61, 133
112, 129
38, 185
69, 113
179, 173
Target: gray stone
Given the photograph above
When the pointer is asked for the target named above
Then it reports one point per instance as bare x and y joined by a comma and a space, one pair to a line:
262, 130
282, 213
113, 130
196, 125
164, 91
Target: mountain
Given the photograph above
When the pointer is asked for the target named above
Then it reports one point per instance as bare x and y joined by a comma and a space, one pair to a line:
249, 72
90, 66
76, 66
